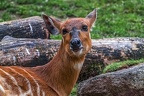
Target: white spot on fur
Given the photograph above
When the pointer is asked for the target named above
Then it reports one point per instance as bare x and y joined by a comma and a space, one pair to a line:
78, 66
2, 89
87, 47
78, 53
43, 93
2, 80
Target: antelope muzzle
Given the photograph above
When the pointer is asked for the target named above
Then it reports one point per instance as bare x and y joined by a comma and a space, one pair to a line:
75, 43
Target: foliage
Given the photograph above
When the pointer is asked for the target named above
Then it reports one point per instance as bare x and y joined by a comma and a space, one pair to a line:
74, 90
123, 64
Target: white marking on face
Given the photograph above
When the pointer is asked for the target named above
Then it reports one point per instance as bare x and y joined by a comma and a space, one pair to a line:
29, 85
13, 79
87, 47
78, 53
38, 87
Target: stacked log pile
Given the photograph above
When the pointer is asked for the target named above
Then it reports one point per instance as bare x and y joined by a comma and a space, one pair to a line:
23, 51
35, 52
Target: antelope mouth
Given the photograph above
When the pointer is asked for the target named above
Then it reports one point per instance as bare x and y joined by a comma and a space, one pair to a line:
76, 49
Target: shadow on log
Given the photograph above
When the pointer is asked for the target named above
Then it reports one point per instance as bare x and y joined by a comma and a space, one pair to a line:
32, 27
34, 52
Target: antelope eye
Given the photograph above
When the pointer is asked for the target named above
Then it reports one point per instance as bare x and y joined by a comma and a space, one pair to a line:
85, 28
64, 31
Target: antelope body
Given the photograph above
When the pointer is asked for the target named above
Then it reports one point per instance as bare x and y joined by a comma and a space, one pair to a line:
58, 77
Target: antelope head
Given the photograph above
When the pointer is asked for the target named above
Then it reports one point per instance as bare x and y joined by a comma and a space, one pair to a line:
75, 33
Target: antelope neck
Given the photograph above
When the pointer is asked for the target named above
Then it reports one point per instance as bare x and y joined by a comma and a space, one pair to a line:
61, 72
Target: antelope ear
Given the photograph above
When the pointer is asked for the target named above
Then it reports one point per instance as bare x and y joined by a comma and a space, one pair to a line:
92, 16
52, 24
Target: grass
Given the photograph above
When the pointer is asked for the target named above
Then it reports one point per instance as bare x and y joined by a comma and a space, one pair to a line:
122, 18
74, 91
120, 65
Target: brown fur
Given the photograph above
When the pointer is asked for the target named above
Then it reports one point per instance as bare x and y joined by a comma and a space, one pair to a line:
58, 77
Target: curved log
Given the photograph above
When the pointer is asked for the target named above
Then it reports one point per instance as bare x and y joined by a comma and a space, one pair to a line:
34, 52
32, 27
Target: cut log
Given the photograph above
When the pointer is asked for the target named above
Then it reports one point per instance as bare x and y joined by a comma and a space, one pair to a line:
32, 27
34, 52
126, 82
27, 52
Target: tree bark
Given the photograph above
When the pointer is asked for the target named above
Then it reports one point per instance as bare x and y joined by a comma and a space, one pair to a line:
32, 27
34, 52
27, 52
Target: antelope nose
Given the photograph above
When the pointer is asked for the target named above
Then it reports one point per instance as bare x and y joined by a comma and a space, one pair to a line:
75, 44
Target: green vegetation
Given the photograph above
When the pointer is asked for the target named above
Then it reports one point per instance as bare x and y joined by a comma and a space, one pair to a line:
116, 18
74, 91
123, 64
